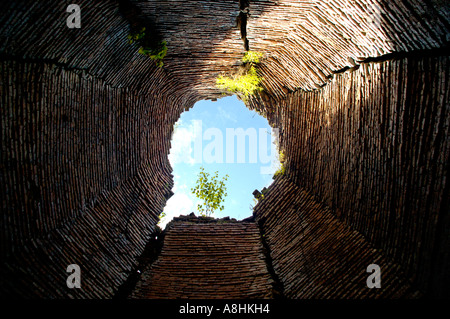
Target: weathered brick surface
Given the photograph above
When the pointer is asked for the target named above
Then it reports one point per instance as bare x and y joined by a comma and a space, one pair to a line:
373, 146
81, 184
208, 259
86, 123
315, 255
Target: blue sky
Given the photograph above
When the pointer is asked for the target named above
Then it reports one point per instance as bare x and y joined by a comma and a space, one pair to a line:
200, 139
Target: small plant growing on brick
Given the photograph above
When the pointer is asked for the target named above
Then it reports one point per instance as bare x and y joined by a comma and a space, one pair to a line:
252, 57
155, 52
211, 191
161, 217
246, 82
280, 171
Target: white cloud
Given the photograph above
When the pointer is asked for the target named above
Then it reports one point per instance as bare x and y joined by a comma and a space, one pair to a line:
182, 144
179, 204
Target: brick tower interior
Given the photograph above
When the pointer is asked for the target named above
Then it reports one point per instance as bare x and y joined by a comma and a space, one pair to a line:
359, 91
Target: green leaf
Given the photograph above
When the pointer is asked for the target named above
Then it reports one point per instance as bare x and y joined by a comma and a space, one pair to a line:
210, 190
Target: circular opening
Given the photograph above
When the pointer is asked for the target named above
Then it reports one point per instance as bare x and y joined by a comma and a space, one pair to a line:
224, 137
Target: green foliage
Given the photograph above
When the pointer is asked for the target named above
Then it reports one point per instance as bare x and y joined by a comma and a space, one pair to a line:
245, 85
137, 36
280, 171
154, 52
257, 199
157, 54
211, 191
252, 57
281, 157
161, 217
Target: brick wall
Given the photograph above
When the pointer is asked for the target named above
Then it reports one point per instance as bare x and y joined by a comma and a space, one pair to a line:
86, 123
315, 255
208, 258
372, 146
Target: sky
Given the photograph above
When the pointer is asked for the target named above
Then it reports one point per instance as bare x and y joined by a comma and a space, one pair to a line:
227, 137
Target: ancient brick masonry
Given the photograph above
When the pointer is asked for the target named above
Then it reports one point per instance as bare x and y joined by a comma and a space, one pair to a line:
306, 40
83, 180
73, 206
208, 258
362, 107
371, 146
317, 256
86, 127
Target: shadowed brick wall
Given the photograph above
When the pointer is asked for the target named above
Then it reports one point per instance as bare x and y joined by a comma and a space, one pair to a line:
86, 122
373, 146
315, 255
208, 258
